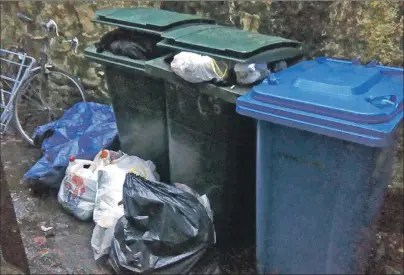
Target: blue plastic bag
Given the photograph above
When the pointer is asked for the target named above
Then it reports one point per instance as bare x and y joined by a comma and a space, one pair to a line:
83, 131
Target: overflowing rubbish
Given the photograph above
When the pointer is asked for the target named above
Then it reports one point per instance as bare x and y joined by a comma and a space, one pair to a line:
129, 43
110, 184
83, 131
196, 68
78, 190
165, 229
44, 252
101, 239
251, 73
45, 229
40, 240
94, 188
109, 195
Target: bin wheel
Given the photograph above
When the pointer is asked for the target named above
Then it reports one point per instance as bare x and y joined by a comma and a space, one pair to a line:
217, 109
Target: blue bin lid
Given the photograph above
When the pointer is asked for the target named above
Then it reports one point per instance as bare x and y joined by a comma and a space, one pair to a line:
333, 96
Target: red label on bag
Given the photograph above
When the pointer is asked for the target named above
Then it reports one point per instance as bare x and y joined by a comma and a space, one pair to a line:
77, 180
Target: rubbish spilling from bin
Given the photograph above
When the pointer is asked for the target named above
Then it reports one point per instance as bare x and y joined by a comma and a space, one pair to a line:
130, 44
78, 190
110, 183
173, 221
46, 229
251, 73
83, 130
196, 68
109, 195
166, 229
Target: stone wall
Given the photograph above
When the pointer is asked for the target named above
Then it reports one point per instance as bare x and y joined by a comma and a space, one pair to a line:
370, 29
339, 29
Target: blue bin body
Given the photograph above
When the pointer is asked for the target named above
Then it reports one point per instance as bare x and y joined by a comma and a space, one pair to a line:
326, 141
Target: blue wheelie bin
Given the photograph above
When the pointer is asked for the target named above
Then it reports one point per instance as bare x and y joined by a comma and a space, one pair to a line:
325, 146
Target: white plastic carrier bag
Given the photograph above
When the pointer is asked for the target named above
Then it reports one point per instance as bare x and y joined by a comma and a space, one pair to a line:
110, 192
78, 190
196, 68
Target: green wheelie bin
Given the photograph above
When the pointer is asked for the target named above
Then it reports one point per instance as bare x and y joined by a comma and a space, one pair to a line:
138, 99
211, 147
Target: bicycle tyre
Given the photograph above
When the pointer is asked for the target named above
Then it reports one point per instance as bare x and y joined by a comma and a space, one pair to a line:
23, 88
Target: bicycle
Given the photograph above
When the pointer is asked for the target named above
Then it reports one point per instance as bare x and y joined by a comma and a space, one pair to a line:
39, 83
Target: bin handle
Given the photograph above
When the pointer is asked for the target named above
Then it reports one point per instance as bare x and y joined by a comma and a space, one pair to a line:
383, 101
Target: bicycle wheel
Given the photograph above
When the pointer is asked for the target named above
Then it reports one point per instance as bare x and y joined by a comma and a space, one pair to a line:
43, 98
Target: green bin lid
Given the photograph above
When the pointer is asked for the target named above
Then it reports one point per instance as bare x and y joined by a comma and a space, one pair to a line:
148, 20
230, 43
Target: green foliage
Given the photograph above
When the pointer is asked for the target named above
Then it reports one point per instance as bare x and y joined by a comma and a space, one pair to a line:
372, 30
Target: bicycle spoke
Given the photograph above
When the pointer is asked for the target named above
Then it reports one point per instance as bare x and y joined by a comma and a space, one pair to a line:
31, 111
45, 90
43, 87
9, 85
50, 116
30, 99
45, 98
32, 121
35, 93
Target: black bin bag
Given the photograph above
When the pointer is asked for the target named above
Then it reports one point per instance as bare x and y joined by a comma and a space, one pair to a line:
165, 229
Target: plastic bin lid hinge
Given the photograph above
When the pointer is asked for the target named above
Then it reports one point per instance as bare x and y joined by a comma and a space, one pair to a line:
372, 63
271, 79
356, 61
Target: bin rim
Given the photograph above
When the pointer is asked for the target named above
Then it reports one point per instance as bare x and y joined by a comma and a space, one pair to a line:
108, 58
159, 68
366, 134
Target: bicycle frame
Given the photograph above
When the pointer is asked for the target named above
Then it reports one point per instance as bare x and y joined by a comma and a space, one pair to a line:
30, 70
35, 65
43, 65
24, 68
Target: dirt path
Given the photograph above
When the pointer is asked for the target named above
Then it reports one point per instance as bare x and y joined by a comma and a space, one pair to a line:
69, 251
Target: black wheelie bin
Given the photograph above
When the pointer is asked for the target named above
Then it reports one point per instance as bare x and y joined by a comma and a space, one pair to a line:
138, 99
